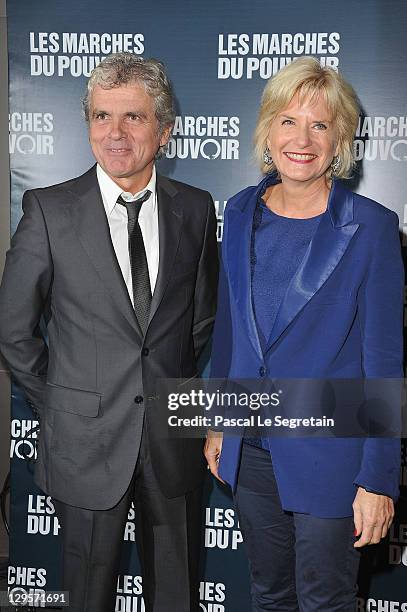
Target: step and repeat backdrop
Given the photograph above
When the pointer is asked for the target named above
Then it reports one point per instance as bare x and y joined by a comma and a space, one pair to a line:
219, 56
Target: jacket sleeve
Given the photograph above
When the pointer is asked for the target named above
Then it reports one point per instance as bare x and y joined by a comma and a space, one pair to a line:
222, 343
222, 336
24, 292
381, 325
206, 284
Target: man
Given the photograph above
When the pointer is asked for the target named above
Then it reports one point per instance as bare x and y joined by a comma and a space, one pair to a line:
123, 264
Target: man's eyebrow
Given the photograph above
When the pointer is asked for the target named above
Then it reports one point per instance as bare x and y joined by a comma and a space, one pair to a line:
96, 111
141, 113
136, 112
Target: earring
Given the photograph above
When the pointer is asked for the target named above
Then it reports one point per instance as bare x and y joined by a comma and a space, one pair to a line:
336, 162
268, 160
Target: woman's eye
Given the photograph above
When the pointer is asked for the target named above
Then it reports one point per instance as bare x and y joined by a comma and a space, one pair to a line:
287, 122
320, 126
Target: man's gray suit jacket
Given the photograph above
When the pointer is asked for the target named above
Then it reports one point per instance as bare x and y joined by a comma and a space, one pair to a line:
94, 385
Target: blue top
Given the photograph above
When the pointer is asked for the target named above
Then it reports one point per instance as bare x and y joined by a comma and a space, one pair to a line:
278, 245
277, 249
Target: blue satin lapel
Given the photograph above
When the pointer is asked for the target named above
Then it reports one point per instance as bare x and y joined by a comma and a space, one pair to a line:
325, 251
238, 258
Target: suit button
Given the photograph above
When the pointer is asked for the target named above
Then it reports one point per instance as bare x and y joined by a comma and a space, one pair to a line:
262, 371
138, 399
145, 352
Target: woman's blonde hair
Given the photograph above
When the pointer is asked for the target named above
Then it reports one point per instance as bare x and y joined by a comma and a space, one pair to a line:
307, 78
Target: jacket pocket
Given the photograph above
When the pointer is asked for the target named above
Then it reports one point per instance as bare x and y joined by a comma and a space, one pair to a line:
75, 401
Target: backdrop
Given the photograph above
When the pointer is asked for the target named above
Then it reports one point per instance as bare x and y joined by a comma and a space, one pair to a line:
219, 55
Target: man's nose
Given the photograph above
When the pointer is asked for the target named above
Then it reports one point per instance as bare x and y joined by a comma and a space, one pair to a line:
116, 129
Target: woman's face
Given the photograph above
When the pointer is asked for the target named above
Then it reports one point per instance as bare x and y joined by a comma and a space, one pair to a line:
302, 141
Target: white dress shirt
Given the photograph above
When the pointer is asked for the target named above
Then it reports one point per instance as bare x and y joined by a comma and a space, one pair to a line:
117, 219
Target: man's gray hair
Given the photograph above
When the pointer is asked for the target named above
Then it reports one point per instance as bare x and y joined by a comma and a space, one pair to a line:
125, 68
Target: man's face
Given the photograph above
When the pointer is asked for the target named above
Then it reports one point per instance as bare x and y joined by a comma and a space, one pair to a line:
124, 134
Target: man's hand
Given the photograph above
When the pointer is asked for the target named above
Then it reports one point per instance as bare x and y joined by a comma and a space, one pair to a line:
212, 451
373, 514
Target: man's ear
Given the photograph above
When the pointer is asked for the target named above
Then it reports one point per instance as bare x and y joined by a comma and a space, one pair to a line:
165, 136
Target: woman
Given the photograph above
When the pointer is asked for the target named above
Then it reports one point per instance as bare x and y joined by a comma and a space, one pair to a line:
312, 287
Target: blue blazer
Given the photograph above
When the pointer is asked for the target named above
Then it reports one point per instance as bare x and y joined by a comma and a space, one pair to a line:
341, 317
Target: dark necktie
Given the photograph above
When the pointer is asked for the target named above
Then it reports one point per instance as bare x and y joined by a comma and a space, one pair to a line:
138, 261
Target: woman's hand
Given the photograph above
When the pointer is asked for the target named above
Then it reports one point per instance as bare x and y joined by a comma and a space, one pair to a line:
373, 514
212, 451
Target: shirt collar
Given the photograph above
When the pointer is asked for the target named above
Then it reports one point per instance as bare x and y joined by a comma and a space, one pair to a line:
111, 190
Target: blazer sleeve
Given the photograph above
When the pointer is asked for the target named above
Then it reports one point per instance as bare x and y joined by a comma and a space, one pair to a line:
222, 336
222, 343
381, 325
206, 283
24, 292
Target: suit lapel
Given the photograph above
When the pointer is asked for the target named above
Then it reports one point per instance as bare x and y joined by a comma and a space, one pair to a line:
92, 229
325, 251
170, 220
240, 221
